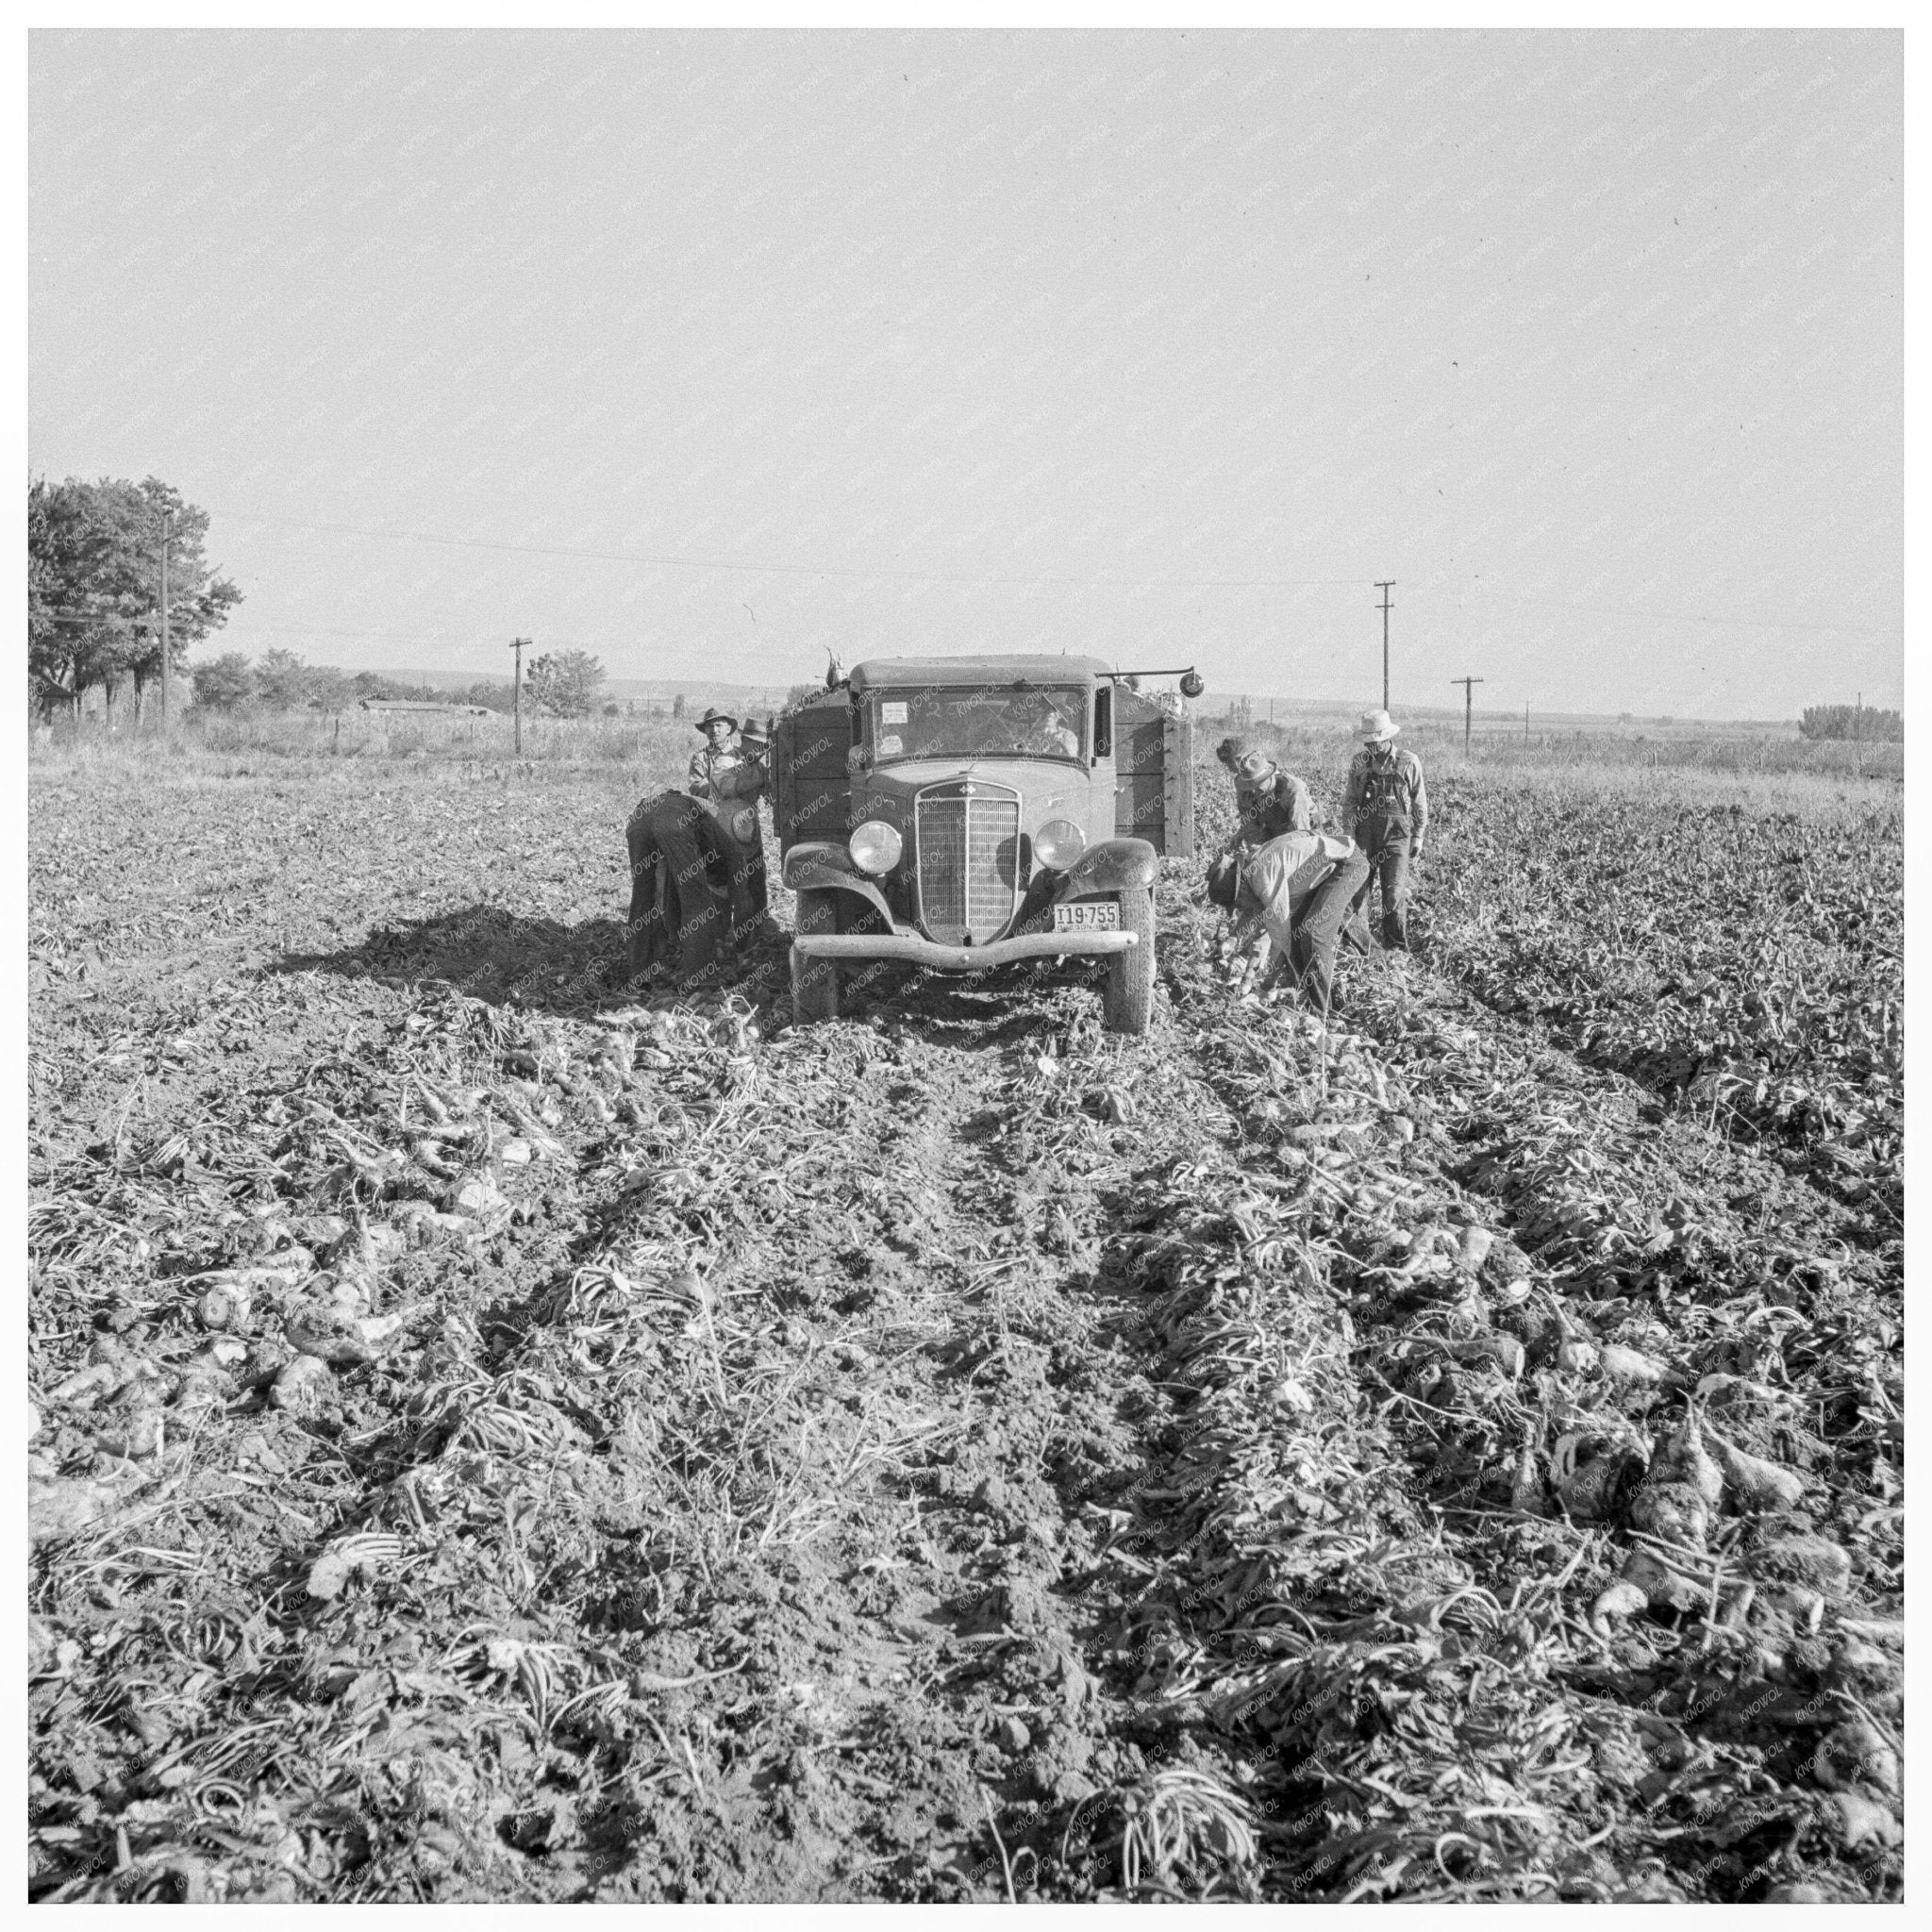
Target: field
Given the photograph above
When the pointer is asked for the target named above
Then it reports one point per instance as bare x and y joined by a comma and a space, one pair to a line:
954, 1454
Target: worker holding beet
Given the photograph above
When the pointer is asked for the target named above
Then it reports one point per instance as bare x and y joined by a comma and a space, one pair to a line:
1386, 810
1301, 887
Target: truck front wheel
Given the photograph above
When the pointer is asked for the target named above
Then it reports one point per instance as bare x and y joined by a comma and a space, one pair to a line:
1129, 1001
814, 982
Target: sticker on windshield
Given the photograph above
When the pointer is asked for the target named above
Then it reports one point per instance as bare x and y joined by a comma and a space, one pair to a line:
892, 747
892, 714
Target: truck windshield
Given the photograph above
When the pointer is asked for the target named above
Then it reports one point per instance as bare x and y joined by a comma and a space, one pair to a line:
977, 720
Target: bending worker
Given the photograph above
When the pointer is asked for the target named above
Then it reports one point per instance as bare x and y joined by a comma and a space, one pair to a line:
1301, 887
1386, 810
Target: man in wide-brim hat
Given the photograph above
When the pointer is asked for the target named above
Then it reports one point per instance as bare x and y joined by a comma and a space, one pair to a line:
730, 779
1385, 810
1268, 801
716, 727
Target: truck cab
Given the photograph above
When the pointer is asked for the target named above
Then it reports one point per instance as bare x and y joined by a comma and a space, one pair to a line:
961, 813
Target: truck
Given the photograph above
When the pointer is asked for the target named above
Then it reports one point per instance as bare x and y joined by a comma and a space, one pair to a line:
962, 813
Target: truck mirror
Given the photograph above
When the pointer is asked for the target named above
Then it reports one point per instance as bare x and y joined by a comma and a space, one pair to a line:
1193, 685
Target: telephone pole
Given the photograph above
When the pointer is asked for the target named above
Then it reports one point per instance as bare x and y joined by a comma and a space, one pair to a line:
516, 690
1858, 737
1384, 589
167, 671
1468, 685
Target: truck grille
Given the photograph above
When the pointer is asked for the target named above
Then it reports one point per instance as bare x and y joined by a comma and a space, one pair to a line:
969, 862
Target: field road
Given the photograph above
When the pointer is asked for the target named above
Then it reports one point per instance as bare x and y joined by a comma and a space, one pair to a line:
949, 1454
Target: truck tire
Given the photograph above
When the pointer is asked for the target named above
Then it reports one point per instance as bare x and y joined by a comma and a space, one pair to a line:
1129, 999
814, 982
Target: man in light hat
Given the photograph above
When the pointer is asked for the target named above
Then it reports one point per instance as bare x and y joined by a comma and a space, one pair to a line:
717, 758
730, 779
1386, 810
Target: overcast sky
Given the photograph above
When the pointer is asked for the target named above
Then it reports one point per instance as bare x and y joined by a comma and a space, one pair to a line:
1163, 346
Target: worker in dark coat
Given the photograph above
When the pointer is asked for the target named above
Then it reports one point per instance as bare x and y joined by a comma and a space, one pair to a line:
688, 891
1386, 810
1268, 801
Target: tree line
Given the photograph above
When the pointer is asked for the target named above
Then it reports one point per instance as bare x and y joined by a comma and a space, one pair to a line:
93, 587
1853, 721
560, 684
94, 617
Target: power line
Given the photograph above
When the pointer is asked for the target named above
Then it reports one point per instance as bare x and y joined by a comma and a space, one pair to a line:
1660, 616
1462, 586
804, 570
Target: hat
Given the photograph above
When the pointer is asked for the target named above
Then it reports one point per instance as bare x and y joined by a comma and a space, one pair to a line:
1254, 764
714, 716
1229, 749
1377, 727
753, 732
1223, 880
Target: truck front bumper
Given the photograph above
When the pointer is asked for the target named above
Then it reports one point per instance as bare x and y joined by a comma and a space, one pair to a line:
923, 952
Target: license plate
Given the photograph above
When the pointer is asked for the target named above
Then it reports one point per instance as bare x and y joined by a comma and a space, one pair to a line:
1088, 915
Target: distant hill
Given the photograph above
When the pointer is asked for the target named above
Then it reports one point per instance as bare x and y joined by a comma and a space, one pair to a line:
1214, 705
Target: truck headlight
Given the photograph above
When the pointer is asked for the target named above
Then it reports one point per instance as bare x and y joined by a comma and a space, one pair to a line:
1058, 844
875, 846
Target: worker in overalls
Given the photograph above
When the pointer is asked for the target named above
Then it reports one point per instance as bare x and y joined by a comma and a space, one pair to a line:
1385, 810
731, 779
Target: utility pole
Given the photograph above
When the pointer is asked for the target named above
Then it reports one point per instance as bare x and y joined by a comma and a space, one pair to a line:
516, 690
1384, 589
1858, 737
1468, 685
167, 671
1525, 723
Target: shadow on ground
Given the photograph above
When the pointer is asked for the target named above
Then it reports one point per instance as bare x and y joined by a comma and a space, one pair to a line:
490, 953
504, 958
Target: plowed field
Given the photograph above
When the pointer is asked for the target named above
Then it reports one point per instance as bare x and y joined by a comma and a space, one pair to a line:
954, 1453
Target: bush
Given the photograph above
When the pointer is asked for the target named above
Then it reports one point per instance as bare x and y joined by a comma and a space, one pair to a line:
224, 682
1853, 721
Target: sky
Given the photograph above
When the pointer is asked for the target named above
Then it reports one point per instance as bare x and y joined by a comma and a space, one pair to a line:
713, 353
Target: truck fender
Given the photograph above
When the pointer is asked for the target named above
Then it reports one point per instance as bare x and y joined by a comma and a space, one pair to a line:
814, 867
1112, 866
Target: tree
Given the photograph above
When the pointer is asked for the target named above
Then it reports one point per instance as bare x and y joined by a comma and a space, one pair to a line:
93, 584
324, 687
281, 682
565, 683
1851, 720
498, 697
803, 695
222, 683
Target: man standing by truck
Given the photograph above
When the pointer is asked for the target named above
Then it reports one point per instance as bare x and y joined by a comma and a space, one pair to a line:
730, 779
1386, 810
1268, 801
